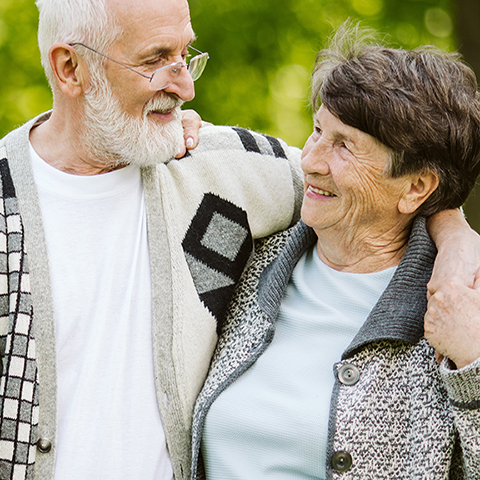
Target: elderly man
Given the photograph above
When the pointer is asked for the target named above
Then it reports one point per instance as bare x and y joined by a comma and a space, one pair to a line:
101, 229
118, 261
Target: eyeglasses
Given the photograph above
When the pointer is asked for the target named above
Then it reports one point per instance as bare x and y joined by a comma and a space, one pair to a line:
163, 77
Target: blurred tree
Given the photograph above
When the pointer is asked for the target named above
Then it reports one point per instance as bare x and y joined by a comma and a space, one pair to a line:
261, 55
467, 15
23, 88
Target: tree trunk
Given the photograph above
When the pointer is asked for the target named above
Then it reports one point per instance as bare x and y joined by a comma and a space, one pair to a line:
467, 13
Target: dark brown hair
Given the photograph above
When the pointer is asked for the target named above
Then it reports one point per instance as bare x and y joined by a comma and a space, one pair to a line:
422, 104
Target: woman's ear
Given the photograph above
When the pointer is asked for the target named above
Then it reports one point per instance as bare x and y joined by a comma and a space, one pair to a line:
418, 189
69, 69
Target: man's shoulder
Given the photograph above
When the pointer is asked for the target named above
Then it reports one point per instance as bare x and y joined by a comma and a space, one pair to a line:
18, 137
240, 140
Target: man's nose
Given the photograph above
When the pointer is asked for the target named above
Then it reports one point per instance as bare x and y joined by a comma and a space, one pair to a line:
182, 86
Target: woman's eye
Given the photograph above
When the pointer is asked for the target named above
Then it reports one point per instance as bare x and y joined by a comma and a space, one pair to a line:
343, 145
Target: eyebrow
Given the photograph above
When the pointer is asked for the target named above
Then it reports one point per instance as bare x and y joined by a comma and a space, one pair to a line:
341, 136
161, 51
337, 136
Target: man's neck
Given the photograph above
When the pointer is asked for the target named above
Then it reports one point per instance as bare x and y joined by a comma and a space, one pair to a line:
61, 146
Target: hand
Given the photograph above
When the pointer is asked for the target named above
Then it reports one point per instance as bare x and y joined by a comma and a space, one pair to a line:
452, 322
458, 250
191, 122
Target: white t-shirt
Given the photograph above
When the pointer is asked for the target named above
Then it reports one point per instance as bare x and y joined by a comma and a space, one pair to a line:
109, 425
272, 422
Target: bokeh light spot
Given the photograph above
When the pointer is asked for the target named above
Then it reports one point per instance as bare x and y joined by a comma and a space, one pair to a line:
438, 22
368, 7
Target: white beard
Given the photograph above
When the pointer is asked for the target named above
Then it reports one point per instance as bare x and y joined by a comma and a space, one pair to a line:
115, 138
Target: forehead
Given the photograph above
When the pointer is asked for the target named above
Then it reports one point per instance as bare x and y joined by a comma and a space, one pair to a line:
152, 24
331, 123
365, 148
334, 127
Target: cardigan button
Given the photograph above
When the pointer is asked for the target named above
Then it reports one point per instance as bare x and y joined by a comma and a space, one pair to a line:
341, 461
44, 445
349, 374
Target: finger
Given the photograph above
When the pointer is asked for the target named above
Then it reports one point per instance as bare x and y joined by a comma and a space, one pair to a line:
191, 142
439, 357
430, 293
476, 282
191, 123
181, 152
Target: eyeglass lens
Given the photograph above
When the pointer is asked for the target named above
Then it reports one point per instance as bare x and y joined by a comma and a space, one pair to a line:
165, 76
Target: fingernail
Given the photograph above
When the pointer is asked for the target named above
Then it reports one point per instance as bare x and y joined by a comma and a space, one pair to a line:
189, 142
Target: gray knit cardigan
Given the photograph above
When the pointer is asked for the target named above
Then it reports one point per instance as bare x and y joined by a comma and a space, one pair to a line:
395, 413
203, 212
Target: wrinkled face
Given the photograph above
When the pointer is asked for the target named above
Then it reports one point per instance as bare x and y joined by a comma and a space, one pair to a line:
155, 33
125, 120
346, 187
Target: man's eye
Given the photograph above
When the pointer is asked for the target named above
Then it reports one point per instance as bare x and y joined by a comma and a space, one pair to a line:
156, 61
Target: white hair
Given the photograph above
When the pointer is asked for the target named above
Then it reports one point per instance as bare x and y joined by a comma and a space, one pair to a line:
68, 21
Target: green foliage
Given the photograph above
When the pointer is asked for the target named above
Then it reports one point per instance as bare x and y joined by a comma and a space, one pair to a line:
23, 89
261, 55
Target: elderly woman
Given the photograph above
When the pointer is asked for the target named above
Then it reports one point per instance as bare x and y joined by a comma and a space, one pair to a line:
322, 370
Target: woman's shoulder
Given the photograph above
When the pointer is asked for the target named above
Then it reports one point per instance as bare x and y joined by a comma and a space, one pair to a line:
281, 247
271, 265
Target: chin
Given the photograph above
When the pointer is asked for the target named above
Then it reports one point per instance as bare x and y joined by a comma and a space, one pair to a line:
116, 138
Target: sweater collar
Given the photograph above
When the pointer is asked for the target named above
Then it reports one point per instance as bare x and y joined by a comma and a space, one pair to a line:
398, 314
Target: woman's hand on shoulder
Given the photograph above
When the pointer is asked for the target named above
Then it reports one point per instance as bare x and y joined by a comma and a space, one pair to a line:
191, 122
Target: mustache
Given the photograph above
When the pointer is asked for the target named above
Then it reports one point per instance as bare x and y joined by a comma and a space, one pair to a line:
162, 103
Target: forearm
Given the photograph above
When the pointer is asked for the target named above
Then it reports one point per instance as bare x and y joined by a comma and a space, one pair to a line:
458, 249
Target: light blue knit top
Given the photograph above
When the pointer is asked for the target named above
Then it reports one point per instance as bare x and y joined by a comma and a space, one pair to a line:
273, 421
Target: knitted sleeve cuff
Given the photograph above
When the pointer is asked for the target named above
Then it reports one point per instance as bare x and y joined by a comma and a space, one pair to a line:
463, 385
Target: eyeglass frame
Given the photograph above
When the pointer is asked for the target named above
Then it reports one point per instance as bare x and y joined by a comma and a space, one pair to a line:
172, 66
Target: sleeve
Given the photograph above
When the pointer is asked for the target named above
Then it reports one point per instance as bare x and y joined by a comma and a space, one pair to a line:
463, 387
256, 172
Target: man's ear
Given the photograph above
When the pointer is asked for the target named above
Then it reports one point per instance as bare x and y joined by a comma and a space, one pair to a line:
69, 69
418, 189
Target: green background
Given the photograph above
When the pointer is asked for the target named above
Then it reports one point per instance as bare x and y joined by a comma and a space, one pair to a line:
261, 55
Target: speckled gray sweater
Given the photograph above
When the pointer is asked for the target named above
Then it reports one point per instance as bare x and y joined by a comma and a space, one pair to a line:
395, 413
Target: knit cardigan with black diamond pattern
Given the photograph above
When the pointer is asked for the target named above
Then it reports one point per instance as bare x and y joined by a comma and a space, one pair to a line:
203, 212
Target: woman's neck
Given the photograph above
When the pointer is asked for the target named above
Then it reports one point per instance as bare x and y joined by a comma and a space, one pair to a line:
362, 252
